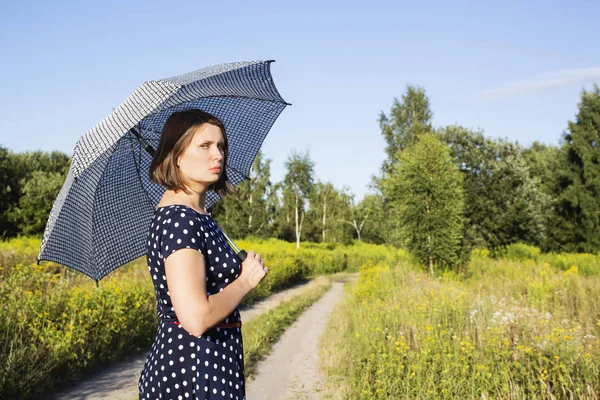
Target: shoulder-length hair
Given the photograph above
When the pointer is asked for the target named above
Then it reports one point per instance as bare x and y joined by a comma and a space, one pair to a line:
177, 134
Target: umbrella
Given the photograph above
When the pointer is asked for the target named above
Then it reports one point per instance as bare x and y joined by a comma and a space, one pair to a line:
101, 215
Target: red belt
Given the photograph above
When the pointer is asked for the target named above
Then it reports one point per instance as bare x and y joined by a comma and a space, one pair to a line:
221, 325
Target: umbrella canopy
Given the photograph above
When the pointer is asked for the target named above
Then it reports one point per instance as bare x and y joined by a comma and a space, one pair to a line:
101, 216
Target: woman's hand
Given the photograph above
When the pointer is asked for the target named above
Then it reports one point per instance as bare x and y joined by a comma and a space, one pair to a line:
253, 270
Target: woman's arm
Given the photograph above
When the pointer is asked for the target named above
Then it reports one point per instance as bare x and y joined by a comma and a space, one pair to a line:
186, 278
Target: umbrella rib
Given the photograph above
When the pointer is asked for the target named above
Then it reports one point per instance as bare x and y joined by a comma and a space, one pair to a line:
138, 169
243, 175
235, 96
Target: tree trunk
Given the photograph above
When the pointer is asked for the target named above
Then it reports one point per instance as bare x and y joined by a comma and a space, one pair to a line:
324, 215
297, 227
429, 248
250, 214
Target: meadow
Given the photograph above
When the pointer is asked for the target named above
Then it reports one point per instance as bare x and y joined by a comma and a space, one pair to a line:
56, 325
525, 325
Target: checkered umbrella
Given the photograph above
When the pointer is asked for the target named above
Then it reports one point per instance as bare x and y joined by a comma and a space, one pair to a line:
101, 216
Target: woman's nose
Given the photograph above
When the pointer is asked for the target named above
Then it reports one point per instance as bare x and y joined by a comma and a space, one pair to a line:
218, 155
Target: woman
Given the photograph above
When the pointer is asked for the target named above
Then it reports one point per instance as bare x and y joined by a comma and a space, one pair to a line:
199, 282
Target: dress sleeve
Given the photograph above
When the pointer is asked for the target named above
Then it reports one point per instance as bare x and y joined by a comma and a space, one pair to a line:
182, 231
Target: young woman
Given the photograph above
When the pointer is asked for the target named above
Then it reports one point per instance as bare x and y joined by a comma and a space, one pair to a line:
199, 282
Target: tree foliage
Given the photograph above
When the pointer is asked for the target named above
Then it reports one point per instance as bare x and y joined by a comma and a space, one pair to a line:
425, 194
577, 220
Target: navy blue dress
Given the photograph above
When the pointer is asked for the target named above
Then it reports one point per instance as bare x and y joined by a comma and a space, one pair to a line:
181, 365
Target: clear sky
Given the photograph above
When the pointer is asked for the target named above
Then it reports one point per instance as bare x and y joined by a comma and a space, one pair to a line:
513, 69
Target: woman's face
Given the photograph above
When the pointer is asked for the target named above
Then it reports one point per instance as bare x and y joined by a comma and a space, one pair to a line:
202, 161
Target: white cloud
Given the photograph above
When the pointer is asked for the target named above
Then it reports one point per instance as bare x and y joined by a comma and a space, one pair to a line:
555, 79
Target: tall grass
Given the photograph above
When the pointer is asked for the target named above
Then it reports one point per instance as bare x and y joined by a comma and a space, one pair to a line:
507, 329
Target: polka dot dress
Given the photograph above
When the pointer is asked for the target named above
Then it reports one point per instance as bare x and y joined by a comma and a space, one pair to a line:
182, 366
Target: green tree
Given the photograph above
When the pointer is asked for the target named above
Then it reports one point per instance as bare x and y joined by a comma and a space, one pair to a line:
297, 186
320, 211
356, 217
544, 164
246, 212
39, 192
506, 202
408, 118
424, 192
16, 169
577, 221
328, 207
370, 213
284, 215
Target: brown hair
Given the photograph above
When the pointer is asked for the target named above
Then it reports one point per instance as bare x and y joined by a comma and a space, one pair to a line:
177, 134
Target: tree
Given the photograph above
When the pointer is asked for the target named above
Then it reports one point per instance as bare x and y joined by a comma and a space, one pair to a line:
16, 169
39, 192
246, 212
506, 202
10, 192
544, 163
320, 212
424, 192
297, 186
370, 210
357, 216
577, 221
408, 118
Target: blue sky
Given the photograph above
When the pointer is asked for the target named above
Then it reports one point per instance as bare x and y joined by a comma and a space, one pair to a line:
514, 70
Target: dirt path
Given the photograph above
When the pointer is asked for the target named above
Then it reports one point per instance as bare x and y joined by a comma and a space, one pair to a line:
291, 369
119, 382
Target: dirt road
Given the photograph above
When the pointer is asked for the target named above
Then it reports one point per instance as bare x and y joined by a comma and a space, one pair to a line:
291, 370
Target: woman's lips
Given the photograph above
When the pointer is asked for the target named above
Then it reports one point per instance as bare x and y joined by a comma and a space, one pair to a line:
215, 170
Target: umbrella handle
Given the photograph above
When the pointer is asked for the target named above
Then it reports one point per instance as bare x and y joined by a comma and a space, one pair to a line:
242, 255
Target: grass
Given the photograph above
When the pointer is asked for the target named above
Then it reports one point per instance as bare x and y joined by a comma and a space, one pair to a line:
507, 329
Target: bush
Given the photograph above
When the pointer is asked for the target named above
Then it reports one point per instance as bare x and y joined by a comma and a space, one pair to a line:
521, 251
